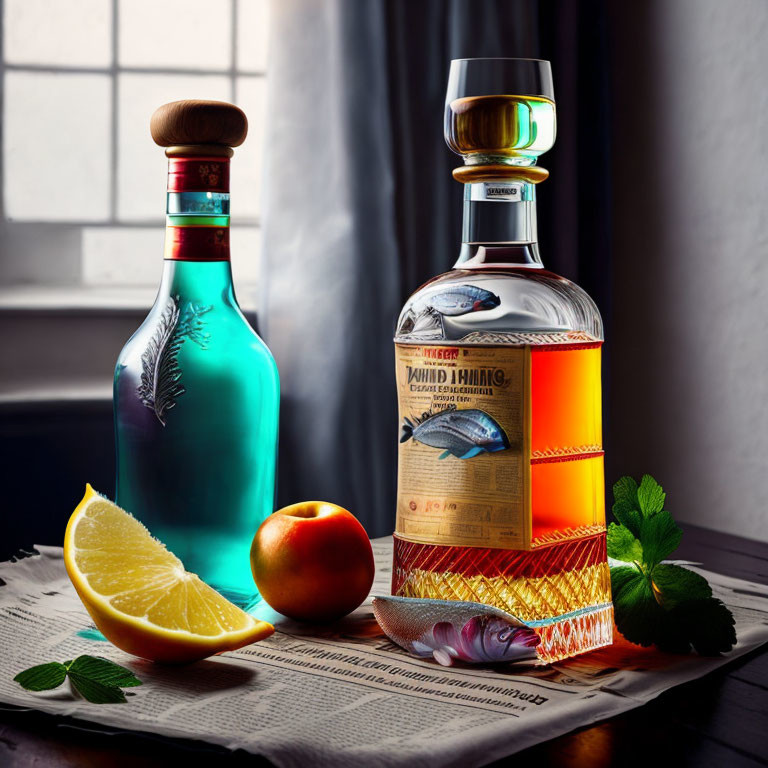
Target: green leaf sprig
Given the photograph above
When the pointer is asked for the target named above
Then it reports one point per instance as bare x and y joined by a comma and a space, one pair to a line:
654, 602
97, 680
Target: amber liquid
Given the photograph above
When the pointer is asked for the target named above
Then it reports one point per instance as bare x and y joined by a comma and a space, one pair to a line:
508, 126
567, 493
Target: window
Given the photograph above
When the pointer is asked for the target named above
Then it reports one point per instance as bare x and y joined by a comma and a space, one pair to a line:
83, 184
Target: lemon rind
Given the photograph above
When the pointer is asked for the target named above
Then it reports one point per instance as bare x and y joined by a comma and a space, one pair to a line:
82, 585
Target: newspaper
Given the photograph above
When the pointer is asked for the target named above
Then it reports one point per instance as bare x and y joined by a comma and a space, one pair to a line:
343, 695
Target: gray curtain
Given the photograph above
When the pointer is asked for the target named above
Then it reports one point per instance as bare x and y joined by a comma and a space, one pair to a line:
331, 268
360, 209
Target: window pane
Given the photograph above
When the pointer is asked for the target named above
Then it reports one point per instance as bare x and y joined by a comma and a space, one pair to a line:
56, 146
176, 34
247, 162
76, 33
252, 35
246, 256
142, 165
122, 255
133, 256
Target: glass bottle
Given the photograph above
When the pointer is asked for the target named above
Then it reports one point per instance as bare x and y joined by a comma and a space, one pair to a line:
500, 483
196, 391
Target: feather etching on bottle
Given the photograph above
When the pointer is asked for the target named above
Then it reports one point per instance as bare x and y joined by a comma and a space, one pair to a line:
160, 376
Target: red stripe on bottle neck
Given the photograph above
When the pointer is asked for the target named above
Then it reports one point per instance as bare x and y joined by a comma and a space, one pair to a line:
198, 174
197, 243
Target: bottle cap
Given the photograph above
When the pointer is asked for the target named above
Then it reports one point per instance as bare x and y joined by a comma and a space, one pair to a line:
500, 117
199, 128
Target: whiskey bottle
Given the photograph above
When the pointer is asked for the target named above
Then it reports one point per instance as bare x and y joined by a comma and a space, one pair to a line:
196, 390
500, 481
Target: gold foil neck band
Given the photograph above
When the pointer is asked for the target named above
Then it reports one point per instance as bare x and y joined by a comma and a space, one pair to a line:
469, 174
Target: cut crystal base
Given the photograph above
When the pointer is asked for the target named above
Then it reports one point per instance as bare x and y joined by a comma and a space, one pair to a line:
543, 587
562, 639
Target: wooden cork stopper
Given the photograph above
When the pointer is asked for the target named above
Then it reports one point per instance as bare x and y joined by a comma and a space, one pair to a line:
196, 127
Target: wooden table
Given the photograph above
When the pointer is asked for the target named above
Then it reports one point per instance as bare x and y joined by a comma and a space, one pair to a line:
720, 720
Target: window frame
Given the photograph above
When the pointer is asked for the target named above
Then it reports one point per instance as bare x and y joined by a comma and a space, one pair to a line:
31, 248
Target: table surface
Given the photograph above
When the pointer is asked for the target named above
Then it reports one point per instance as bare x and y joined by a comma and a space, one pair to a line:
719, 720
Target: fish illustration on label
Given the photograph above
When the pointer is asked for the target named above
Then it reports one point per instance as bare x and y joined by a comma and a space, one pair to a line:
453, 302
461, 432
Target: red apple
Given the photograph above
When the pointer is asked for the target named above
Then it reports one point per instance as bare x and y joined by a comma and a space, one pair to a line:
312, 561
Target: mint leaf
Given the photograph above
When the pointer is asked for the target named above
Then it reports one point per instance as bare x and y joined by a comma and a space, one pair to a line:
625, 492
622, 576
629, 518
655, 602
707, 624
97, 680
622, 545
650, 496
673, 585
43, 677
637, 613
96, 692
660, 537
103, 671
626, 507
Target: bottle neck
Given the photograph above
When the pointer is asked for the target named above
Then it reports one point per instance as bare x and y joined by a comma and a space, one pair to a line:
197, 265
197, 211
499, 228
200, 282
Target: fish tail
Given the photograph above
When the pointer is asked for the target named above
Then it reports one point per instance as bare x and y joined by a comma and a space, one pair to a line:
406, 431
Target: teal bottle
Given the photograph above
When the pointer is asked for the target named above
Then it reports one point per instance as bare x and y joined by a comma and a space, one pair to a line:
196, 391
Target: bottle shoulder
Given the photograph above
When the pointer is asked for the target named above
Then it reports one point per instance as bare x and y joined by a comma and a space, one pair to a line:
469, 304
220, 328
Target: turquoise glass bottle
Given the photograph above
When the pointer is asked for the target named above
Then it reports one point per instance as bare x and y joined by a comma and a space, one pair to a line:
196, 391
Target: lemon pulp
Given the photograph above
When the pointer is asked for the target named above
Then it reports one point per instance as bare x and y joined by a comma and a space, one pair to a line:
140, 595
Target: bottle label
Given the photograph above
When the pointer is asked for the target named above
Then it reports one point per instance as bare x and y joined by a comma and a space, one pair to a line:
464, 474
507, 192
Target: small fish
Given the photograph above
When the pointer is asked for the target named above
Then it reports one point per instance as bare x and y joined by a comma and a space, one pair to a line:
463, 433
462, 299
448, 630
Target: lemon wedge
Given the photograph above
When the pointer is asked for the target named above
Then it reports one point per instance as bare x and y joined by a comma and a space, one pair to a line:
139, 594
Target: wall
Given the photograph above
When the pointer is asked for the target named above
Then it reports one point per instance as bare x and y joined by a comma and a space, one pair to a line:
689, 370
